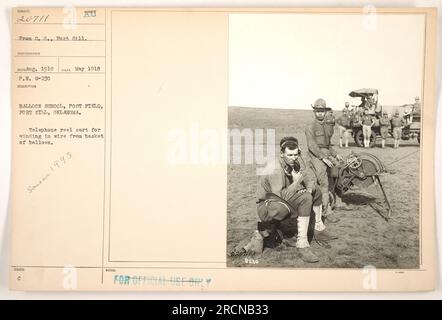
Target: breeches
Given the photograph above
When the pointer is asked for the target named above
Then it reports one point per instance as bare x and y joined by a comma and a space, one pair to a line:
343, 132
301, 202
397, 132
384, 132
320, 169
366, 130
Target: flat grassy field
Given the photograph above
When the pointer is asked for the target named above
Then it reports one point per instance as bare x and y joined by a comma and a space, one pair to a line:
365, 238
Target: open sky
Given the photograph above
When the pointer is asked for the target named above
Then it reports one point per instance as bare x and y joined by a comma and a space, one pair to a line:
289, 60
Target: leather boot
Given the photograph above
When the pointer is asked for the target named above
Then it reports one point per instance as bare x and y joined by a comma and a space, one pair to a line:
341, 205
290, 242
330, 216
307, 255
256, 244
324, 235
304, 250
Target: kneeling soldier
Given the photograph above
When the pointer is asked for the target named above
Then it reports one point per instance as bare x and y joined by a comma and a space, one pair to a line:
289, 191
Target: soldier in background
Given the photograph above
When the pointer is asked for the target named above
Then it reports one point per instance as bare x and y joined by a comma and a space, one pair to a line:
367, 122
371, 106
356, 116
330, 122
363, 104
397, 123
384, 123
411, 110
378, 111
408, 114
344, 123
417, 107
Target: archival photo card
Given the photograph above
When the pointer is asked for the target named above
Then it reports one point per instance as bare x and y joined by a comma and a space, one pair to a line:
223, 149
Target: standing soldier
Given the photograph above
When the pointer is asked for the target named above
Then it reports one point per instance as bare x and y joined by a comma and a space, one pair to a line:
371, 106
397, 122
408, 114
355, 110
321, 153
367, 122
378, 110
416, 108
356, 116
384, 122
344, 125
411, 110
363, 104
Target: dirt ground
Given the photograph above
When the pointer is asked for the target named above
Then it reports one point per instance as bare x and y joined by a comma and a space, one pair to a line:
365, 238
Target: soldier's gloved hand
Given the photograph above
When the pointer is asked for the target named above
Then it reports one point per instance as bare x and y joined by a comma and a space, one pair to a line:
339, 158
327, 162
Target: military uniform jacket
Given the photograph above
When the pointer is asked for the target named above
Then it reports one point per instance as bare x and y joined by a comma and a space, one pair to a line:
367, 120
397, 122
317, 138
356, 117
279, 183
384, 122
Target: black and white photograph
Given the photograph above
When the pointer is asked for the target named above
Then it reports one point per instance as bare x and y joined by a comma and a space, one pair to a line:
325, 140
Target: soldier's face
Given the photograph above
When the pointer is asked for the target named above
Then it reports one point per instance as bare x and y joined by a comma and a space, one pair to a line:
290, 156
320, 114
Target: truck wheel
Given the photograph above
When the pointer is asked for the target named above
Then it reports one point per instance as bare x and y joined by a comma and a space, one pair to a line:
359, 139
372, 139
